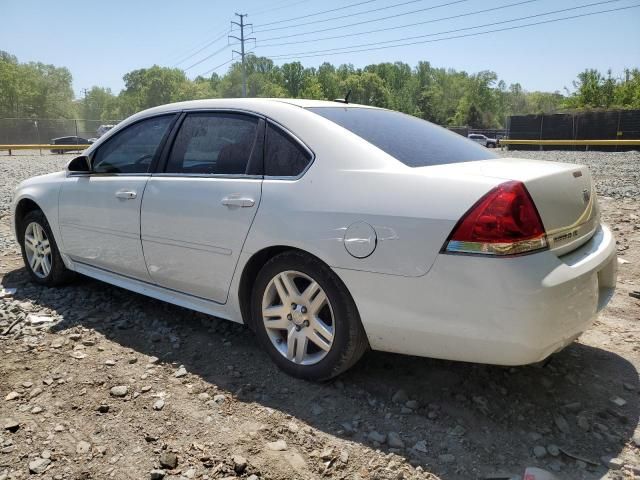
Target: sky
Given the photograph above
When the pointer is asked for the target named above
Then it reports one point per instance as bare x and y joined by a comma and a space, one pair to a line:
101, 41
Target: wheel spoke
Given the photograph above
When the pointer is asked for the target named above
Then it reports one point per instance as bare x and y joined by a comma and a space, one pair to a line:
37, 264
320, 333
46, 265
284, 284
30, 247
310, 292
275, 311
318, 302
280, 288
37, 232
32, 261
291, 344
301, 348
30, 241
277, 324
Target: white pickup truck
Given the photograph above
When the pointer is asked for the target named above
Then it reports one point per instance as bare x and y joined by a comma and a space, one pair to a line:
483, 140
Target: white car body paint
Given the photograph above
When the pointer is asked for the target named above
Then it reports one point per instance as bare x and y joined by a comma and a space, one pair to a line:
412, 299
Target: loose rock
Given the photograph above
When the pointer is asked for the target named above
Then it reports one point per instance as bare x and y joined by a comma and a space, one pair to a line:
168, 460
239, 464
39, 465
400, 396
277, 446
157, 474
10, 424
394, 440
376, 437
119, 391
83, 447
12, 396
539, 451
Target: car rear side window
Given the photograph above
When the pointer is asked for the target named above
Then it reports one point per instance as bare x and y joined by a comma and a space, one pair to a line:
414, 142
132, 149
284, 156
214, 143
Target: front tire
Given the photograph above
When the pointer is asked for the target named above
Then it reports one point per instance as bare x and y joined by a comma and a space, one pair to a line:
305, 318
40, 252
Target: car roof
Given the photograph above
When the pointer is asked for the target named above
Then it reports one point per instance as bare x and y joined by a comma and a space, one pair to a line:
248, 103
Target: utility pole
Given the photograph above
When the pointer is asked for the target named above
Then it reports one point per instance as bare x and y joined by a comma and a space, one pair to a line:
242, 39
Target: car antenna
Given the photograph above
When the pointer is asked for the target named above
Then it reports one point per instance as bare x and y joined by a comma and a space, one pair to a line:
345, 99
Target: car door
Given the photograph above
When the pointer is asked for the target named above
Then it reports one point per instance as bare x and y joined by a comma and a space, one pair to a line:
100, 211
197, 213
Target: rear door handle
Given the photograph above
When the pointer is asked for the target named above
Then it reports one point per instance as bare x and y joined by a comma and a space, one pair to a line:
126, 194
237, 201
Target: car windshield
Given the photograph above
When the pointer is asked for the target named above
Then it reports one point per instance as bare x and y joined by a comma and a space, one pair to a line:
414, 142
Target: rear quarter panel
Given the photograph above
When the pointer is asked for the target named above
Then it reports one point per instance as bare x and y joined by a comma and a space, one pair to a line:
412, 210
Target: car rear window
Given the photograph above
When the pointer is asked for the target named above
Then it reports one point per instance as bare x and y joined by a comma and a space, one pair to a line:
415, 142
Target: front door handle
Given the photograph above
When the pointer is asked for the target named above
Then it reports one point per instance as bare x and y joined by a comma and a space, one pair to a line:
127, 194
237, 201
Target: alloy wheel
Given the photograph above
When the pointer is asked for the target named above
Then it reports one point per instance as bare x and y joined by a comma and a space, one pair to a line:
298, 317
38, 250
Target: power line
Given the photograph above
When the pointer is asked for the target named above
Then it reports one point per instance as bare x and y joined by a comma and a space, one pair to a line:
186, 51
455, 30
207, 57
214, 68
515, 27
207, 45
221, 65
477, 12
276, 7
323, 12
370, 11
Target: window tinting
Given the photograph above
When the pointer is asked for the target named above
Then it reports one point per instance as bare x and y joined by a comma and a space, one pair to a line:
132, 149
284, 157
415, 142
213, 143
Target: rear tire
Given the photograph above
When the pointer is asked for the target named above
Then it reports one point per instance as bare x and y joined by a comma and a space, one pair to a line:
40, 252
305, 318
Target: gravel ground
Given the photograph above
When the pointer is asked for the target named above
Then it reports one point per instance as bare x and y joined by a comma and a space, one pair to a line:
115, 385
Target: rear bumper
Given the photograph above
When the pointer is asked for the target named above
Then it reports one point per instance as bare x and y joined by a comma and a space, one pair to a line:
505, 311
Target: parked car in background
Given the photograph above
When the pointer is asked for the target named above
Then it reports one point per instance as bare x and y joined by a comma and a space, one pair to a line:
70, 140
329, 229
483, 140
102, 129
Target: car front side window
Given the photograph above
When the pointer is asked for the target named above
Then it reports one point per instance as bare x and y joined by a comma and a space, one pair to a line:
133, 149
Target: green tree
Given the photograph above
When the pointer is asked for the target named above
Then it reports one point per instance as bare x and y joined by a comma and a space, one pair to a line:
149, 87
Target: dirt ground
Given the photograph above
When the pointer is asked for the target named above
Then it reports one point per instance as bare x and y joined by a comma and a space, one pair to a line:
199, 399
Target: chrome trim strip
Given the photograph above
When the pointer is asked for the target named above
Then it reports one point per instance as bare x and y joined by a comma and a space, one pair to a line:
239, 176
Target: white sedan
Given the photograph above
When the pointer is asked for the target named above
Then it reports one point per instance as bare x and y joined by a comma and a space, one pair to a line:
328, 229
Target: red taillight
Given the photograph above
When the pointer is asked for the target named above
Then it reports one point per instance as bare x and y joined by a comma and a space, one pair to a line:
503, 222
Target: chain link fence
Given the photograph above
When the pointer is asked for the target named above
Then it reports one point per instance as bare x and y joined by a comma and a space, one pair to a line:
21, 131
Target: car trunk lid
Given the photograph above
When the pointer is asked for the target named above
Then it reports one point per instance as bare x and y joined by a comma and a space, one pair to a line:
563, 194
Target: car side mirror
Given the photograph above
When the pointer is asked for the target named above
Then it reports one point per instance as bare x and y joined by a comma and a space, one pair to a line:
79, 164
